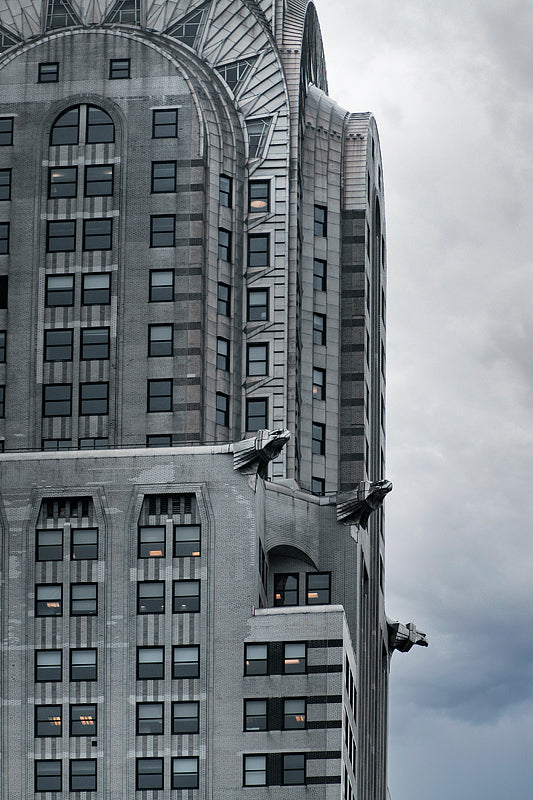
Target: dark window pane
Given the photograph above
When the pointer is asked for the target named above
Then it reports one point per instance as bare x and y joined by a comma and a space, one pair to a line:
286, 589
119, 68
163, 176
161, 285
185, 717
83, 599
58, 345
186, 540
224, 191
165, 123
256, 414
294, 713
257, 359
151, 541
150, 719
57, 400
255, 770
319, 275
255, 715
318, 588
65, 129
6, 131
186, 661
293, 769
100, 127
149, 773
48, 720
224, 245
160, 340
319, 384
2, 346
319, 329
295, 658
259, 198
84, 543
318, 443
257, 135
48, 776
97, 234
255, 659
62, 181
83, 665
160, 395
150, 663
50, 545
5, 184
83, 775
223, 354
258, 250
223, 299
162, 231
99, 180
93, 443
94, 343
258, 305
186, 596
222, 409
83, 720
321, 221
59, 290
48, 665
48, 73
159, 440
61, 236
94, 398
4, 238
185, 772
49, 600
151, 597
96, 289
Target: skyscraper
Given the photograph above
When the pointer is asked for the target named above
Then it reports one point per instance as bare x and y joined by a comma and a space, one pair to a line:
192, 331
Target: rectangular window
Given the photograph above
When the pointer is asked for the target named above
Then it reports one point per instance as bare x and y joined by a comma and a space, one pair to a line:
223, 354
165, 123
62, 182
318, 590
56, 444
255, 771
59, 290
224, 245
159, 440
83, 720
83, 775
185, 717
163, 176
258, 305
5, 184
186, 596
84, 543
49, 600
150, 663
151, 541
83, 599
258, 250
100, 127
318, 442
161, 285
58, 345
255, 659
48, 665
48, 720
319, 384
3, 290
97, 234
83, 664
294, 713
94, 398
186, 661
222, 409
96, 289
6, 131
149, 773
48, 775
160, 340
151, 597
159, 394
162, 231
295, 658
224, 299
150, 720
293, 769
185, 772
4, 238
321, 221
286, 589
319, 275
318, 485
61, 236
257, 360
256, 414
255, 715
49, 73
224, 191
99, 180
94, 343
2, 401
319, 329
186, 541
119, 68
259, 196
50, 545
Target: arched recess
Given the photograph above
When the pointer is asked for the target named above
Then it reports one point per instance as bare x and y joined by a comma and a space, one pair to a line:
289, 553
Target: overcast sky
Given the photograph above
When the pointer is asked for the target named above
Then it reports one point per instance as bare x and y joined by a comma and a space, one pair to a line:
450, 84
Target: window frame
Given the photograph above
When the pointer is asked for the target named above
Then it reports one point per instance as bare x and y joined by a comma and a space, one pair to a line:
91, 127
84, 606
87, 665
39, 555
68, 347
90, 772
225, 196
104, 345
139, 720
262, 200
320, 219
261, 316
287, 771
254, 364
108, 183
222, 410
158, 237
158, 671
223, 354
318, 442
72, 183
196, 553
263, 661
190, 606
38, 786
194, 728
48, 291
100, 240
5, 187
60, 127
319, 329
69, 238
224, 245
294, 661
148, 541
158, 112
153, 342
192, 782
97, 406
248, 773
224, 304
171, 178
153, 289
156, 784
55, 599
39, 667
247, 715
320, 278
160, 596
319, 383
286, 595
324, 589
153, 399
39, 722
286, 714
76, 725
249, 402
103, 291
191, 668
113, 68
74, 544
259, 258
6, 136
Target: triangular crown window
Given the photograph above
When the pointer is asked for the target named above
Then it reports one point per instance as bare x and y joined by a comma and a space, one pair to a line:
125, 12
257, 135
7, 40
60, 14
236, 72
189, 28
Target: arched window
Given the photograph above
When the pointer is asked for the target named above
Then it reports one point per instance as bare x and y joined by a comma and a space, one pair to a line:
95, 122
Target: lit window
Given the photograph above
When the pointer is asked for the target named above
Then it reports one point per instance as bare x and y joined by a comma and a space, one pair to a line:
185, 661
319, 275
185, 772
150, 719
119, 68
286, 589
256, 414
84, 543
100, 127
255, 715
159, 394
318, 442
48, 720
62, 182
318, 588
48, 665
319, 329
258, 305
224, 245
4, 238
186, 540
293, 769
65, 129
255, 770
83, 664
162, 231
258, 250
5, 184
321, 215
83, 599
97, 234
319, 384
150, 663
257, 361
184, 717
49, 600
48, 775
222, 409
223, 299
50, 545
161, 285
163, 176
294, 713
58, 345
83, 775
224, 191
186, 596
223, 354
99, 180
96, 289
6, 131
61, 237
49, 73
149, 773
259, 197
255, 659
59, 290
160, 340
152, 541
295, 658
94, 398
151, 597
83, 720
94, 343
165, 123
